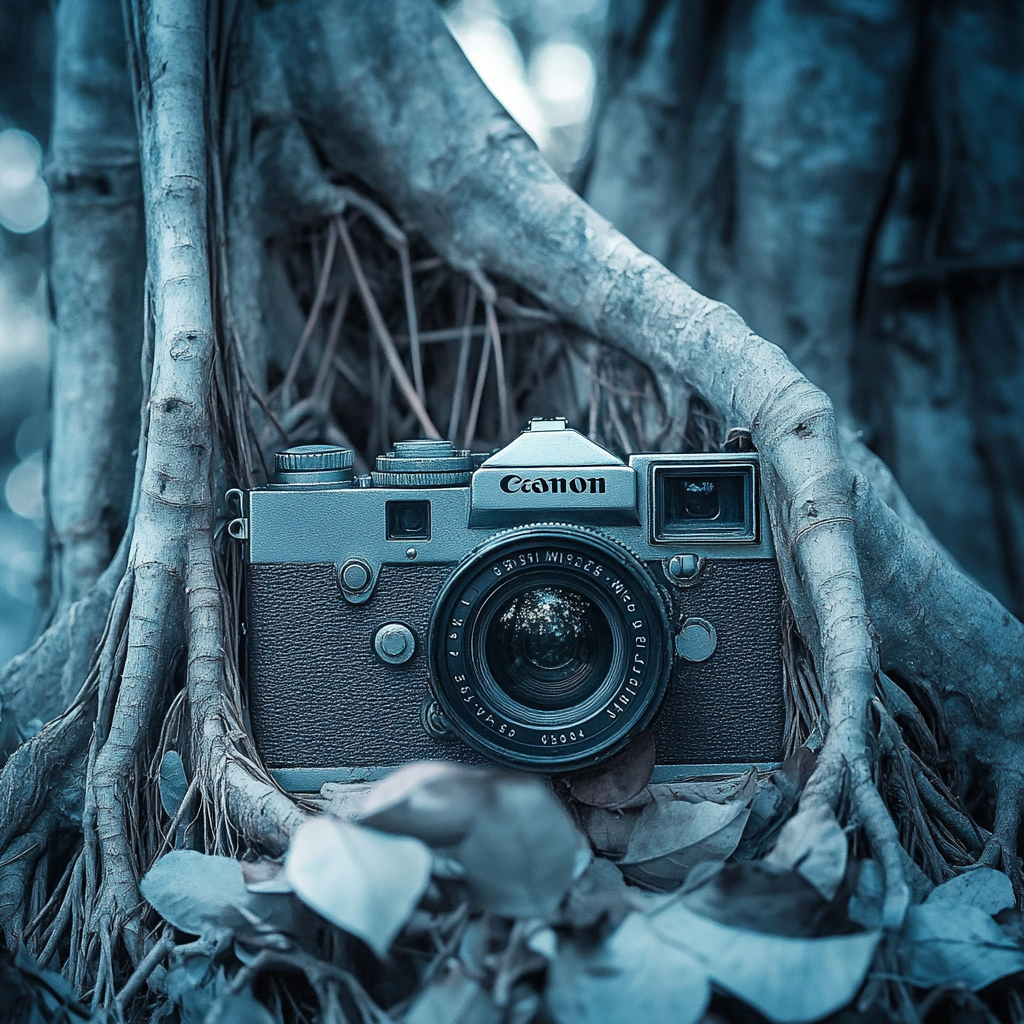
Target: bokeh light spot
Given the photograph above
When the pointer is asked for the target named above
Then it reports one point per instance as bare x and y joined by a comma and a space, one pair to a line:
24, 488
24, 197
562, 75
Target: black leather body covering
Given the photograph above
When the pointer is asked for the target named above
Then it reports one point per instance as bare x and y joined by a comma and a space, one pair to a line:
319, 697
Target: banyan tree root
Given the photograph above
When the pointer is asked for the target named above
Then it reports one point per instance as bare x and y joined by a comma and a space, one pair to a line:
380, 93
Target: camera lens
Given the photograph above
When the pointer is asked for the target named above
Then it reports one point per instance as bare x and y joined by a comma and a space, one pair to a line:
700, 499
548, 647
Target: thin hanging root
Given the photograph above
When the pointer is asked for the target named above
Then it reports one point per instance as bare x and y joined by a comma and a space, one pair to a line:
314, 314
383, 335
463, 364
478, 390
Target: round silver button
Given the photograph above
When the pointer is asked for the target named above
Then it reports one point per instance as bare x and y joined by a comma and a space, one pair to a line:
394, 643
697, 640
355, 575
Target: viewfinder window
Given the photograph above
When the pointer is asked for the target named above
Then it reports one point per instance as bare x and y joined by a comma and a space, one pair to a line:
408, 520
711, 501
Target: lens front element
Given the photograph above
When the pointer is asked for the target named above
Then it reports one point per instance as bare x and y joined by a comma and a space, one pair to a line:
547, 648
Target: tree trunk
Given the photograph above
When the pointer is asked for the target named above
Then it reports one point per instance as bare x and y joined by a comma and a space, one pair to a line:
851, 184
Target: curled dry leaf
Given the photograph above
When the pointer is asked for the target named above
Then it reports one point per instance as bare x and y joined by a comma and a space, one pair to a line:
633, 976
202, 894
619, 779
813, 844
366, 882
673, 835
789, 980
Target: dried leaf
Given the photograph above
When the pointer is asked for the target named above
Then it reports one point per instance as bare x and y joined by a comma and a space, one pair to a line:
454, 999
984, 888
754, 896
609, 831
633, 976
944, 943
173, 783
619, 779
813, 844
201, 894
266, 875
598, 897
520, 853
788, 980
672, 836
435, 801
365, 882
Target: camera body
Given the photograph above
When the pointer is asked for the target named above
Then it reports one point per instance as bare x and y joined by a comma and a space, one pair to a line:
539, 609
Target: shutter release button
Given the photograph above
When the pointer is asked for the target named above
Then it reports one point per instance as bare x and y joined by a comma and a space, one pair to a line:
394, 643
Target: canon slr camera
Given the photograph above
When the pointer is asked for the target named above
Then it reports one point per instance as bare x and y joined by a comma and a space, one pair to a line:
537, 608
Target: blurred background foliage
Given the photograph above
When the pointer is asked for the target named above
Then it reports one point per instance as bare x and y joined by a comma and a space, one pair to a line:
26, 49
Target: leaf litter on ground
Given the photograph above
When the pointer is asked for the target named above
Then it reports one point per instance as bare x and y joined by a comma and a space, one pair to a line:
765, 903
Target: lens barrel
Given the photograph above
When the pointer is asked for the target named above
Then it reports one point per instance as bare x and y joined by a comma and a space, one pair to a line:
547, 648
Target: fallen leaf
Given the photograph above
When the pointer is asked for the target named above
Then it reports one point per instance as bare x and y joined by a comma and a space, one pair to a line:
868, 899
173, 783
789, 980
598, 897
201, 894
435, 801
619, 779
984, 888
520, 853
344, 799
720, 790
365, 882
757, 897
265, 875
813, 844
633, 976
609, 831
944, 944
672, 836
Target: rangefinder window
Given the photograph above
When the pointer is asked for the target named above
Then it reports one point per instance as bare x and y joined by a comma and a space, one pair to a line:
408, 520
704, 501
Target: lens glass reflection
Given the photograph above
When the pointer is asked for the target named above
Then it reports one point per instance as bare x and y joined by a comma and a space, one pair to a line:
549, 647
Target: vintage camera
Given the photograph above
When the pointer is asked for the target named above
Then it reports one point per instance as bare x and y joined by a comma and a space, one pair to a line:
538, 608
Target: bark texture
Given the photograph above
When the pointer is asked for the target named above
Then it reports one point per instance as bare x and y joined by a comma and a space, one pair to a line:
848, 178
